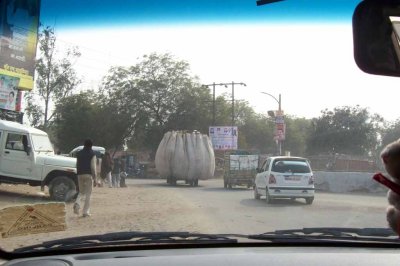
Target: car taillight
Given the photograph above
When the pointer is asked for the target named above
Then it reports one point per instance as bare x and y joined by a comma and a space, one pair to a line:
272, 179
311, 180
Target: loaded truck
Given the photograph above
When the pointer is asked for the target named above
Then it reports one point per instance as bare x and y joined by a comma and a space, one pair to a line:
240, 168
27, 157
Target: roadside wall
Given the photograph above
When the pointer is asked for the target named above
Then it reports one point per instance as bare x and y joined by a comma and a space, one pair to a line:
342, 182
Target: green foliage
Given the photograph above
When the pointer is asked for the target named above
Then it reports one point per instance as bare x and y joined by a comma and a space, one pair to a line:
347, 130
297, 131
85, 115
391, 133
155, 95
55, 79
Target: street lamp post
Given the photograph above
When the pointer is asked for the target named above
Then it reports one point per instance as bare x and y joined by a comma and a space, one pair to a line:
279, 101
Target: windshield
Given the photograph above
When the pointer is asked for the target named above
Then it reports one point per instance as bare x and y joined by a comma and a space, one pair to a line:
198, 104
41, 143
291, 166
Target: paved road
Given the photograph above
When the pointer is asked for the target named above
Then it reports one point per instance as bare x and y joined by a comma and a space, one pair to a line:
235, 211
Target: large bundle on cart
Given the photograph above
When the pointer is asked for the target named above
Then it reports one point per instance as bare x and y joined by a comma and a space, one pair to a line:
185, 156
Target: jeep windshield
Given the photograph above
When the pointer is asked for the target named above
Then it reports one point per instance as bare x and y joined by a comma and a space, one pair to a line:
191, 100
41, 143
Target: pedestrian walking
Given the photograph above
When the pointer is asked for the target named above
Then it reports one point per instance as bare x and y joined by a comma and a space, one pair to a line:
106, 168
86, 170
123, 174
116, 171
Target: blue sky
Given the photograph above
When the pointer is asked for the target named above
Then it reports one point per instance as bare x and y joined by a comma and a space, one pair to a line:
100, 13
301, 49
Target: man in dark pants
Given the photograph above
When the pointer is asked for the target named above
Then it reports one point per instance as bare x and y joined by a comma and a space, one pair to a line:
86, 170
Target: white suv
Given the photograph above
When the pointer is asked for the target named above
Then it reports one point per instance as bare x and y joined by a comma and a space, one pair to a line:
27, 157
285, 177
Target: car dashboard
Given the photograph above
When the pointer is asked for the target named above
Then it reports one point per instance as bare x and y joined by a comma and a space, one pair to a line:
282, 256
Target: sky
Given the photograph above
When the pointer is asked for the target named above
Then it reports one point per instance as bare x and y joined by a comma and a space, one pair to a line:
308, 61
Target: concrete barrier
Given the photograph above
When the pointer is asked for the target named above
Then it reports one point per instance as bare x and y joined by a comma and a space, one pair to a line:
342, 182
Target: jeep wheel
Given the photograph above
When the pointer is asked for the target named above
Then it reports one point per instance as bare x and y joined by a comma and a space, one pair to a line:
62, 188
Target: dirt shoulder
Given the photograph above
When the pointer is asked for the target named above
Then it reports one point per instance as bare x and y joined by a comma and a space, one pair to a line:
135, 208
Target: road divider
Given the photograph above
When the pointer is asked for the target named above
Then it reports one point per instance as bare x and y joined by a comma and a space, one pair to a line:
343, 182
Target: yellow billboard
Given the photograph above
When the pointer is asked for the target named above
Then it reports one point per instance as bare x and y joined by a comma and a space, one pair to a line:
19, 22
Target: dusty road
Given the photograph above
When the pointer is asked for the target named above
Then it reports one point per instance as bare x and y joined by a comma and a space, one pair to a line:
152, 205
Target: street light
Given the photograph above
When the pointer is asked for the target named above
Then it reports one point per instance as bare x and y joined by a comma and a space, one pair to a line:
279, 101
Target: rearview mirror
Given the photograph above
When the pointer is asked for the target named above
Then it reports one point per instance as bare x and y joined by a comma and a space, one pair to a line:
376, 31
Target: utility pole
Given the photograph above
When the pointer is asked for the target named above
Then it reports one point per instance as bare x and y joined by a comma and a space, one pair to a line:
213, 104
233, 98
279, 101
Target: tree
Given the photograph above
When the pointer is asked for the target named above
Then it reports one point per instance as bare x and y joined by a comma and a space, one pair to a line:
297, 132
94, 120
151, 94
348, 130
390, 133
55, 79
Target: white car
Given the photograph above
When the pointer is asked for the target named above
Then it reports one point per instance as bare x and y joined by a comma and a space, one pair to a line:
285, 177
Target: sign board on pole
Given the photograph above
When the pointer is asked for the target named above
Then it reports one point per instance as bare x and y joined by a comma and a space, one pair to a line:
224, 137
280, 126
8, 92
19, 22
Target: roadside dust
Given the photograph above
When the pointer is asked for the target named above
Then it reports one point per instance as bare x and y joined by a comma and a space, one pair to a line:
134, 208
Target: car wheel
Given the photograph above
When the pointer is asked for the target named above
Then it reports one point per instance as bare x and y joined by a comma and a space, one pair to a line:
172, 181
268, 197
256, 195
309, 201
62, 188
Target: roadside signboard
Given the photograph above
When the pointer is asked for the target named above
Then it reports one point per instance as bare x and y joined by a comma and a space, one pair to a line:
8, 92
19, 21
224, 137
280, 126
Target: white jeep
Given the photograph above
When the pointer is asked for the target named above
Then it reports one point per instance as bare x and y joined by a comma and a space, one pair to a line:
27, 157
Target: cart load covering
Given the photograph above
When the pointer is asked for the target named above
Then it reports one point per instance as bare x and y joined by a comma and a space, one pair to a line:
185, 156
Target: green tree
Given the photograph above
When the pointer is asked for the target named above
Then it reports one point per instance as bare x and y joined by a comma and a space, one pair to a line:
151, 95
55, 79
390, 133
86, 115
348, 130
297, 132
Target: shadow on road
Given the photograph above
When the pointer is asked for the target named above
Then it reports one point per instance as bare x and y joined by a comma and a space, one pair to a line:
221, 189
277, 203
15, 197
165, 185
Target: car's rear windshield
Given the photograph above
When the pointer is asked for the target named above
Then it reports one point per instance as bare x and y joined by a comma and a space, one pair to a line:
291, 166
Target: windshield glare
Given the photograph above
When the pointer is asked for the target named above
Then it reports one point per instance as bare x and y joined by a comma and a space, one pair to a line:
41, 143
291, 166
197, 105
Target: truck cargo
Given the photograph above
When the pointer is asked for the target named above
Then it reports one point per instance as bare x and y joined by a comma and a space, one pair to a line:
185, 156
240, 168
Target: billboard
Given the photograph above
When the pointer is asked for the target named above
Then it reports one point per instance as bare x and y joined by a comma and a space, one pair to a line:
19, 21
280, 127
8, 92
224, 137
